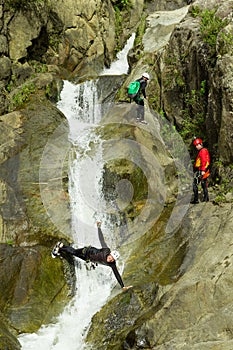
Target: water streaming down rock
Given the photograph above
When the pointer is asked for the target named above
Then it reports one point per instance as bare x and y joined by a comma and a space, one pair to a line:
120, 66
80, 105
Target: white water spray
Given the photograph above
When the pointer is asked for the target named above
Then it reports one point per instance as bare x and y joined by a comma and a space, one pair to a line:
93, 286
80, 106
120, 66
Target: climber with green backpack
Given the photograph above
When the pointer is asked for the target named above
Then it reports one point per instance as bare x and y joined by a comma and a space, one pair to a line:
134, 91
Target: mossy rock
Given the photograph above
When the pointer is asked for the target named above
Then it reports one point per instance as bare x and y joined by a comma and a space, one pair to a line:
34, 288
8, 341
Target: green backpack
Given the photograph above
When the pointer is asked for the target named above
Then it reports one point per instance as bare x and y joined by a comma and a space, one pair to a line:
133, 89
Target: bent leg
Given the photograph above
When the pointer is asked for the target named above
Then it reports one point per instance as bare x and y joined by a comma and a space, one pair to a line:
80, 253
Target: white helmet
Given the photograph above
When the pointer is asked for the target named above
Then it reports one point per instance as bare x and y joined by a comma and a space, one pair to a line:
146, 75
115, 254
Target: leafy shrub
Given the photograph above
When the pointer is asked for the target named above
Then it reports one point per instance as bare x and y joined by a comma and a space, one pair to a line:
194, 113
22, 95
211, 25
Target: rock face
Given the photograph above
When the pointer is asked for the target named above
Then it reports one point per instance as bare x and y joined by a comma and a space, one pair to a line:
84, 29
26, 133
185, 301
191, 71
198, 309
29, 276
76, 39
8, 341
197, 75
87, 34
182, 297
40, 42
29, 269
182, 277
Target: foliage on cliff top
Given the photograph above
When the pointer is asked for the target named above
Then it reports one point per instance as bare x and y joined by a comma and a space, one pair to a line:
121, 8
211, 25
120, 4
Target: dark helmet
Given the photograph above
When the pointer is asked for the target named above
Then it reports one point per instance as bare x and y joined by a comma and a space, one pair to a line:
197, 141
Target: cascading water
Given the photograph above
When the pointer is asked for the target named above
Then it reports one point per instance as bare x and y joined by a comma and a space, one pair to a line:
80, 105
120, 66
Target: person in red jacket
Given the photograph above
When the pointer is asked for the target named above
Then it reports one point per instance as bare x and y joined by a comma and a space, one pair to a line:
201, 171
103, 256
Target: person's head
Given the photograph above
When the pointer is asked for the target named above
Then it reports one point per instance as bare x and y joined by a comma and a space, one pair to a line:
146, 76
113, 256
198, 143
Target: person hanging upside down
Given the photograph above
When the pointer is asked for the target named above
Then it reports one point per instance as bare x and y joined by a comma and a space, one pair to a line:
103, 256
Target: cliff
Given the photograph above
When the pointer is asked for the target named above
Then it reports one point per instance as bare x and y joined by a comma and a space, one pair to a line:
182, 276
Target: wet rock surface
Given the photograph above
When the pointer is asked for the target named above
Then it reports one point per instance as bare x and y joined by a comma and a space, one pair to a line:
182, 295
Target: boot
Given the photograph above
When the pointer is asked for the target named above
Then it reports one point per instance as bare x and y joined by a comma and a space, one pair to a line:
204, 185
194, 201
195, 191
205, 198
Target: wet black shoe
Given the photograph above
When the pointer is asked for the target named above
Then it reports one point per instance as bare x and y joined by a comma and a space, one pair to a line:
194, 202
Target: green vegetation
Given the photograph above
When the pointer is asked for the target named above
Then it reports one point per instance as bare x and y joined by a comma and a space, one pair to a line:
120, 4
17, 94
140, 31
118, 23
21, 96
38, 66
211, 28
211, 24
223, 182
225, 43
174, 73
12, 83
121, 8
48, 92
194, 113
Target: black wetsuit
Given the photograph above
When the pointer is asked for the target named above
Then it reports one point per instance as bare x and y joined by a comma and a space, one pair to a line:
95, 255
139, 100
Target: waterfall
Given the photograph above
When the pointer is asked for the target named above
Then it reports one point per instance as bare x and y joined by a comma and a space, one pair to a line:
79, 103
120, 66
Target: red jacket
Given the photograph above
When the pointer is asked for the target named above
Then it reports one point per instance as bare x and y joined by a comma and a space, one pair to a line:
202, 161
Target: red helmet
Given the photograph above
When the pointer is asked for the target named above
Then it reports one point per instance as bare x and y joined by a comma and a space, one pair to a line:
197, 142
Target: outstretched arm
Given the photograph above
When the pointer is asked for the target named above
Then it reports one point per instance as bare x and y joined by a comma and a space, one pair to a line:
117, 275
113, 266
119, 279
101, 236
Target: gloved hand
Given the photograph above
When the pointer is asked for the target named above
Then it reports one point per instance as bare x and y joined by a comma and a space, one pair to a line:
126, 288
98, 223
